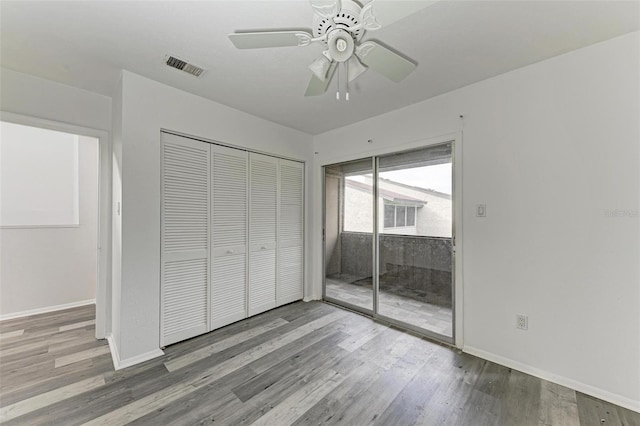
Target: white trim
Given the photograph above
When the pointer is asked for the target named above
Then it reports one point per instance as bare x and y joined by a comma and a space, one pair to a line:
119, 364
46, 309
139, 359
113, 348
37, 226
556, 378
458, 256
404, 146
230, 145
76, 179
104, 205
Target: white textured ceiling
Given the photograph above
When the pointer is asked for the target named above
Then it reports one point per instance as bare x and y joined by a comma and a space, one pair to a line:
455, 43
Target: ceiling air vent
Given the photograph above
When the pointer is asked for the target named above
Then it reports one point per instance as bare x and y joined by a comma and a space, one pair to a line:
181, 65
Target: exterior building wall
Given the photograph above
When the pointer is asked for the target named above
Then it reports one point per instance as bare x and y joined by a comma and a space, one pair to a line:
358, 211
433, 219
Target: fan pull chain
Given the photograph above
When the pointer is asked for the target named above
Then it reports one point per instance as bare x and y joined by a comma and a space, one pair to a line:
346, 67
338, 80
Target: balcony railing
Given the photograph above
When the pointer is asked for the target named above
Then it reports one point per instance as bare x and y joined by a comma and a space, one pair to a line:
414, 266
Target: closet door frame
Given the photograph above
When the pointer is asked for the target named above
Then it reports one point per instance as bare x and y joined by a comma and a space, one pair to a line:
197, 139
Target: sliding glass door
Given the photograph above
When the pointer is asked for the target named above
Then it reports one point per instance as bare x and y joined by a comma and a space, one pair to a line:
389, 238
415, 229
348, 234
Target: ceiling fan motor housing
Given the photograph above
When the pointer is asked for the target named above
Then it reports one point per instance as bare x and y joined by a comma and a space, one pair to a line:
347, 17
341, 45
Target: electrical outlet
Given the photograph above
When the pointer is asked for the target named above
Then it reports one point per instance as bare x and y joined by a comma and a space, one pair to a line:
522, 322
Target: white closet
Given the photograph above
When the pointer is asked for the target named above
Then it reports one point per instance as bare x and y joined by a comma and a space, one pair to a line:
184, 238
232, 235
230, 182
263, 233
290, 231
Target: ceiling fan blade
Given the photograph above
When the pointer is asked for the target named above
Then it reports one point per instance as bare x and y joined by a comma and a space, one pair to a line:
326, 8
384, 61
318, 87
380, 13
270, 39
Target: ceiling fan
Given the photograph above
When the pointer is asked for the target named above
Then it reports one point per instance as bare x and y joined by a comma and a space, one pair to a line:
340, 25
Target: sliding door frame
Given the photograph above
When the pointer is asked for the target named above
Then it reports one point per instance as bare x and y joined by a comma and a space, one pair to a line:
455, 139
376, 278
351, 306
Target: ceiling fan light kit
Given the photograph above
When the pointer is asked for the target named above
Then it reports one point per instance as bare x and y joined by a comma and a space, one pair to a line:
340, 25
320, 67
354, 68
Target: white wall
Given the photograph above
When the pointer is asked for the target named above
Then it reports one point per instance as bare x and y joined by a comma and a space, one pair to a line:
549, 148
38, 176
148, 107
37, 97
46, 267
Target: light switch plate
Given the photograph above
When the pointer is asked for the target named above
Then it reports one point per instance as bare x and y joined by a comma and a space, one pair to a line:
481, 210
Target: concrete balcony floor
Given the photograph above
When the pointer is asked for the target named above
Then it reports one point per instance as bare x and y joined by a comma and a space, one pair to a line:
437, 319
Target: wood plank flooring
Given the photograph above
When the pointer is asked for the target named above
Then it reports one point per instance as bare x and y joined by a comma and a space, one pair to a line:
302, 364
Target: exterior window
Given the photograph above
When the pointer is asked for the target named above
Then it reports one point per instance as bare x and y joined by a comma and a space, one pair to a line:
389, 216
411, 216
399, 216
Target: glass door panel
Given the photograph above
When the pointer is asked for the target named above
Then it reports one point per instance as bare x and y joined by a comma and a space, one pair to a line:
348, 234
415, 250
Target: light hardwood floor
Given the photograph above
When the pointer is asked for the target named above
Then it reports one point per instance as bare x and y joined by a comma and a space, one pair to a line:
303, 364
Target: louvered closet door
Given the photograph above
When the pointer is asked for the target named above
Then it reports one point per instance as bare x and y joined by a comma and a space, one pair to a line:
229, 235
262, 232
290, 231
185, 238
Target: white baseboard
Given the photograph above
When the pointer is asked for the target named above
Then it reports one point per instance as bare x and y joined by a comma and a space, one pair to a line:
113, 349
555, 378
47, 309
119, 364
311, 297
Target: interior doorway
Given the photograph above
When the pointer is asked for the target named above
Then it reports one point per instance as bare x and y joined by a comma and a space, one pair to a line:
55, 218
389, 248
